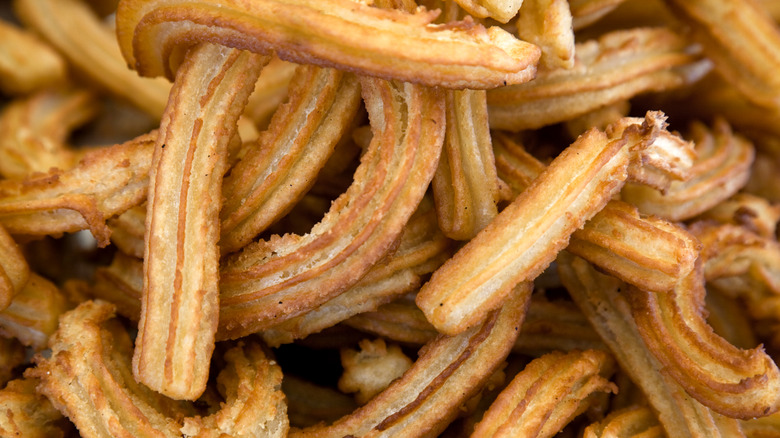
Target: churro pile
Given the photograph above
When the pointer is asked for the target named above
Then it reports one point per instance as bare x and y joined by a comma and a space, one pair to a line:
363, 218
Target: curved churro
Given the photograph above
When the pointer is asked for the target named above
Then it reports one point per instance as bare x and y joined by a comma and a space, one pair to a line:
734, 382
465, 185
525, 237
33, 131
283, 277
741, 263
617, 66
547, 394
720, 170
284, 164
448, 372
599, 298
88, 378
344, 34
180, 303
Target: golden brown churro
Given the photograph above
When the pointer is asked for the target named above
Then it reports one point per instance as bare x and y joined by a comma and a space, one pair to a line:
150, 34
525, 237
180, 305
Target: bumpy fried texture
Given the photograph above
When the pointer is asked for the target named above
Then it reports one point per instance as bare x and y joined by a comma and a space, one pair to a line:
370, 370
77, 32
33, 131
271, 281
284, 164
632, 422
448, 371
641, 250
547, 394
598, 296
26, 63
26, 413
33, 313
526, 236
465, 186
106, 181
617, 66
180, 303
548, 24
734, 382
743, 41
14, 270
88, 378
721, 168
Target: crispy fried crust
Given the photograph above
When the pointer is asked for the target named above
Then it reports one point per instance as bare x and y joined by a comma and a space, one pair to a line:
525, 237
107, 181
548, 24
547, 394
448, 371
180, 304
640, 250
335, 33
721, 168
88, 378
274, 280
422, 249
